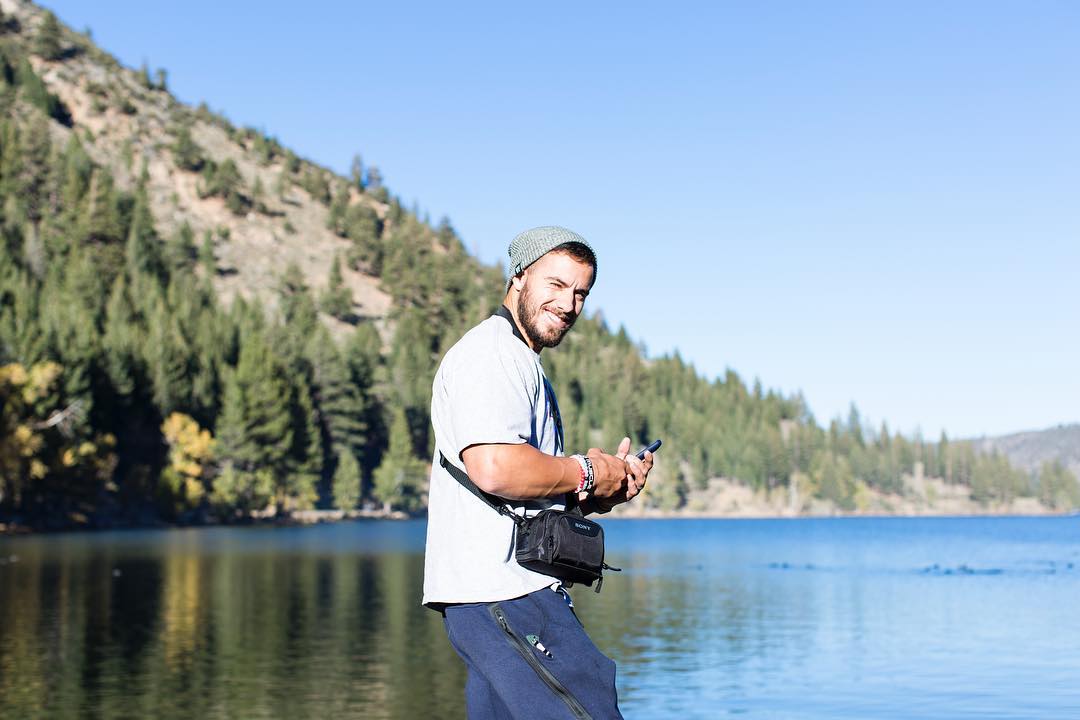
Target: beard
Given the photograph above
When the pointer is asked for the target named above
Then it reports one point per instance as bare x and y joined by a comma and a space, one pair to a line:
529, 313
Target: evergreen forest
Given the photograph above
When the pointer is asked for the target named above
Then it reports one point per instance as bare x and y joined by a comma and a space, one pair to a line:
133, 392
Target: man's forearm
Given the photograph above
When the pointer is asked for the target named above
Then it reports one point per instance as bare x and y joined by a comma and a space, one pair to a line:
520, 472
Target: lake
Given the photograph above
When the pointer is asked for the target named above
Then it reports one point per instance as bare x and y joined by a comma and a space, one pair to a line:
806, 618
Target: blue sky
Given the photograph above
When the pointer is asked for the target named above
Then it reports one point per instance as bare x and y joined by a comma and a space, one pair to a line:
868, 202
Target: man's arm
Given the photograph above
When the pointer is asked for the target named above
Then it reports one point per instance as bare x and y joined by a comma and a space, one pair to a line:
521, 472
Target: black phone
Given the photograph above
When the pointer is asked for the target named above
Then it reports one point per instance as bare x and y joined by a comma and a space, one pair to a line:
651, 448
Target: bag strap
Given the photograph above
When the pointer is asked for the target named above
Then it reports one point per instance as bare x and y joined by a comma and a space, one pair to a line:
505, 314
493, 501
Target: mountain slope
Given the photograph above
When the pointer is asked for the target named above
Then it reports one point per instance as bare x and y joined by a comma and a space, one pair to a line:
1029, 450
126, 126
286, 363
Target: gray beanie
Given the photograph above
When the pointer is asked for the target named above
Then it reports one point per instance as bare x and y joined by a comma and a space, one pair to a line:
531, 245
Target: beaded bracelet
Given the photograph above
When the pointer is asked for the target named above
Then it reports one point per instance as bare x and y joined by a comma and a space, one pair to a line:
588, 478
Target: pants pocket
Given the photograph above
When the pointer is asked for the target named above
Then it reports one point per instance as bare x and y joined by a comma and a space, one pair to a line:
528, 652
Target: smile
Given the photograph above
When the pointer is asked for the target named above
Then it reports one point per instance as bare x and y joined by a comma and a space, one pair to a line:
556, 318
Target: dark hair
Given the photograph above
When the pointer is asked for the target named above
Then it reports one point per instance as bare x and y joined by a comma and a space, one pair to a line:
579, 252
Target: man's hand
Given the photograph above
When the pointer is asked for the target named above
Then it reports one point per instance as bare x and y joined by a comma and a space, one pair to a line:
636, 472
609, 473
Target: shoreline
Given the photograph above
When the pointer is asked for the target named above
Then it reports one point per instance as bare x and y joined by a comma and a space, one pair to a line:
269, 519
320, 517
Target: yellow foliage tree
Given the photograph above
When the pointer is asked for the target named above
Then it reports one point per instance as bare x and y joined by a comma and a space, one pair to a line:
191, 454
36, 437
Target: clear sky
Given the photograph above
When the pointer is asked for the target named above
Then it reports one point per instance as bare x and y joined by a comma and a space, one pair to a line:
870, 202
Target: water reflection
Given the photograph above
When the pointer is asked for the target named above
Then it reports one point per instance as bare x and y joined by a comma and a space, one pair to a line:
220, 624
808, 619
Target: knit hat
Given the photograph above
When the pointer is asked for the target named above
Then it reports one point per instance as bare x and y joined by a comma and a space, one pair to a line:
531, 245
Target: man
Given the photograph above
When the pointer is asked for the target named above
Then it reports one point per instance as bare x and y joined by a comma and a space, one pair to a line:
495, 417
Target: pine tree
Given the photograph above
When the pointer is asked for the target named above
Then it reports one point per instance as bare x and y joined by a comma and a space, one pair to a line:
239, 491
363, 227
206, 256
258, 196
47, 43
225, 181
335, 217
340, 404
346, 486
101, 222
121, 341
400, 479
1058, 487
144, 76
297, 305
298, 486
412, 367
186, 153
363, 354
33, 175
76, 171
263, 149
209, 358
34, 92
168, 362
336, 299
356, 172
11, 158
255, 430
179, 254
944, 469
315, 182
22, 338
143, 245
374, 184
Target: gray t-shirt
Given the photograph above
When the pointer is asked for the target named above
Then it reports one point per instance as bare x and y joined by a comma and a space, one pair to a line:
490, 388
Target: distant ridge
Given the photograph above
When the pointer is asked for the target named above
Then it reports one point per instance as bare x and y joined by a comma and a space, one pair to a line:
1030, 449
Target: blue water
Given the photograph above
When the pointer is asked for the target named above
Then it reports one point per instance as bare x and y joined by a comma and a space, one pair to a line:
807, 618
867, 617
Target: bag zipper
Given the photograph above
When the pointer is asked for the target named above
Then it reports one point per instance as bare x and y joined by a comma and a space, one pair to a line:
524, 650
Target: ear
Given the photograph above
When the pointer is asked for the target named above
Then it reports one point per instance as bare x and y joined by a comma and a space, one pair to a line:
518, 281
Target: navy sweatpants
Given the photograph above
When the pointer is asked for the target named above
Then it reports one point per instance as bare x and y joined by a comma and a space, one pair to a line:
530, 658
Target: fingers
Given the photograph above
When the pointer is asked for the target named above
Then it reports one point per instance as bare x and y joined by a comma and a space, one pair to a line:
636, 475
621, 476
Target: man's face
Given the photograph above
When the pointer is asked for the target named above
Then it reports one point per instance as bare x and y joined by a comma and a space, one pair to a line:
553, 292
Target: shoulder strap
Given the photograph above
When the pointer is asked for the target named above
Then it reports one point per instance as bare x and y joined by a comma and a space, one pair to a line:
493, 501
560, 443
463, 478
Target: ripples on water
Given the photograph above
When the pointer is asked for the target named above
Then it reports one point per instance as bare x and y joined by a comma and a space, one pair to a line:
848, 618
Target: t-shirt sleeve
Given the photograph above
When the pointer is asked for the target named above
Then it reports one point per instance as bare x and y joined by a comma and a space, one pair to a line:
490, 399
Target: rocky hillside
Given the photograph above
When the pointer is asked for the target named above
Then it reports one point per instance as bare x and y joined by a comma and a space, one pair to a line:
130, 124
1029, 450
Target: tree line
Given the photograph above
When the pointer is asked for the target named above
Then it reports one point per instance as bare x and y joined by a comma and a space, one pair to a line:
131, 393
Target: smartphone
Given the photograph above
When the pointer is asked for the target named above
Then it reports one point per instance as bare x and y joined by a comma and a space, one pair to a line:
651, 448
